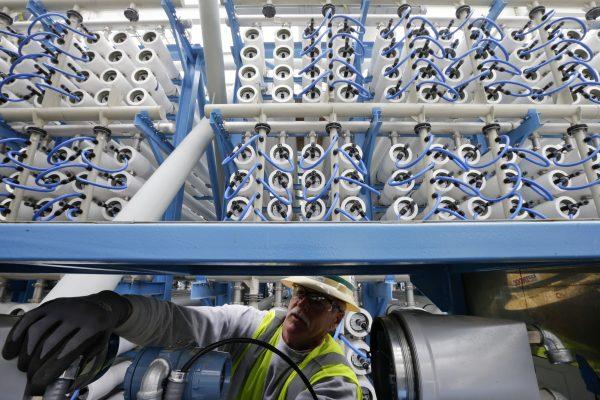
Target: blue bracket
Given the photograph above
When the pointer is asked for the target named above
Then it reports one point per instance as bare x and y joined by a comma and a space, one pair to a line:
234, 26
376, 296
36, 7
155, 138
21, 290
214, 181
496, 8
371, 135
530, 124
186, 53
159, 287
6, 131
223, 139
211, 293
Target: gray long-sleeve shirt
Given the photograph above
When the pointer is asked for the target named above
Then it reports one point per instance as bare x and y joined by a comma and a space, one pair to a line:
161, 323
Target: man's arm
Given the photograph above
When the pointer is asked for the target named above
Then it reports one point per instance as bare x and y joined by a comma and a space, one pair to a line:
161, 323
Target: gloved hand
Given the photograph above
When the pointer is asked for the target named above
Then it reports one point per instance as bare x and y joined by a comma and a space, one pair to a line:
50, 338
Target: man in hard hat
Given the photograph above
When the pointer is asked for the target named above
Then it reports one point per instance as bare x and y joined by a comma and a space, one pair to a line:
50, 338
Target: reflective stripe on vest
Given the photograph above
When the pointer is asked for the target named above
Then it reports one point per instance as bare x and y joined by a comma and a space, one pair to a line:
320, 362
249, 376
245, 360
328, 351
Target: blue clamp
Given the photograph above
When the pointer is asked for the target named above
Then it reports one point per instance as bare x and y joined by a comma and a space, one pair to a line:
155, 138
496, 8
530, 124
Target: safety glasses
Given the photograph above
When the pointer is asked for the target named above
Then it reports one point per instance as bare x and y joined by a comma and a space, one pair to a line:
316, 300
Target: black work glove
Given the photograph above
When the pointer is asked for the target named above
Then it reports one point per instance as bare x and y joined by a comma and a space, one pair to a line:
50, 338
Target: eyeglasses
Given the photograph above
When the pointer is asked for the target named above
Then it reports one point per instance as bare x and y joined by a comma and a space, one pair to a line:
317, 301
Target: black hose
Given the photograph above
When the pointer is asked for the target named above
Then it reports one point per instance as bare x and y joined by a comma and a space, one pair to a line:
57, 390
186, 367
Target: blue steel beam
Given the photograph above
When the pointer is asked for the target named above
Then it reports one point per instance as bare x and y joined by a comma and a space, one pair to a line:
369, 144
496, 8
186, 53
234, 27
155, 138
342, 247
184, 121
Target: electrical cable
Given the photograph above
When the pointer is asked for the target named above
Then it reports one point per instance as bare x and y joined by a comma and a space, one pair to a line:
186, 367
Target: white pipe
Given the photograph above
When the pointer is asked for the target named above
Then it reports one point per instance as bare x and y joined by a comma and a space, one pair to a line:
399, 126
117, 113
401, 110
74, 285
211, 38
107, 382
116, 129
151, 201
146, 205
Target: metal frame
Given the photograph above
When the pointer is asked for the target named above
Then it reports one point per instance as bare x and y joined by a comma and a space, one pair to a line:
223, 248
228, 248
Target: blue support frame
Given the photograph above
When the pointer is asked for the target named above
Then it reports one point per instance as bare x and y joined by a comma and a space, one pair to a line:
155, 138
21, 290
368, 147
160, 287
234, 27
211, 293
6, 131
496, 8
375, 296
184, 121
366, 248
186, 54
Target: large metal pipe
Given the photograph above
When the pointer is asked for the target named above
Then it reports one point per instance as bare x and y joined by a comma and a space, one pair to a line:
147, 205
211, 40
401, 110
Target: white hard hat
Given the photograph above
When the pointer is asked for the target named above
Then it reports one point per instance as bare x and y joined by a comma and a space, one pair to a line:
336, 286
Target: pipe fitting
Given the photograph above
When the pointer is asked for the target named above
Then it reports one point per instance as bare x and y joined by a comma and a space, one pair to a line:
556, 351
151, 387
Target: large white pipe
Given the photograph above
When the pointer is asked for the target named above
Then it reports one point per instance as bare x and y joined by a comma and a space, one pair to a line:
397, 126
276, 110
116, 129
107, 382
211, 38
151, 201
117, 113
148, 204
74, 285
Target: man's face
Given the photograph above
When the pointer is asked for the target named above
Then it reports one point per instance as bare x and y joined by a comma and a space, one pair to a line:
310, 316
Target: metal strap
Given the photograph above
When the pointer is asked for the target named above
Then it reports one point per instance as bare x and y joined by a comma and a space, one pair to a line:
296, 386
252, 354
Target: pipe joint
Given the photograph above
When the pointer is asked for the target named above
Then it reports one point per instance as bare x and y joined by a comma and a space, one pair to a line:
556, 351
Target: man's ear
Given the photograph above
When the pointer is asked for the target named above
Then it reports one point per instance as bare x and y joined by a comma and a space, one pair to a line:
338, 318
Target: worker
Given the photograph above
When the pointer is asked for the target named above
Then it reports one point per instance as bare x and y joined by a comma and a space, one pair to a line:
51, 337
